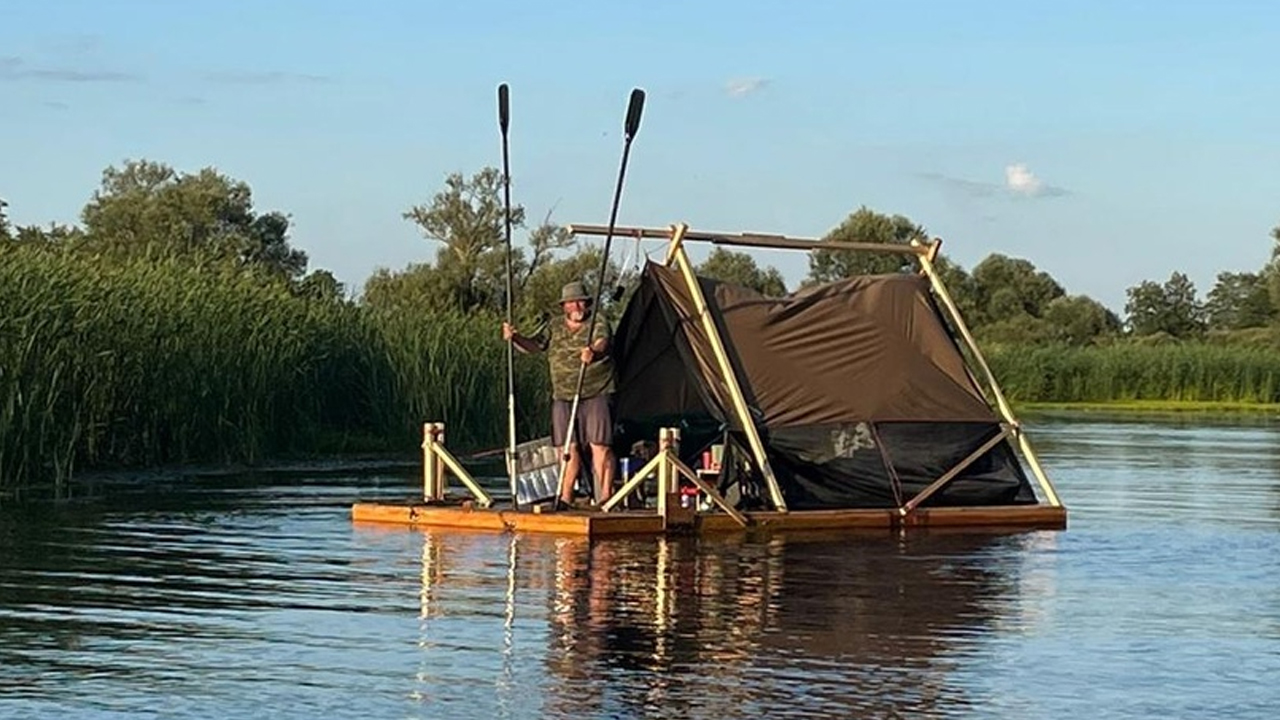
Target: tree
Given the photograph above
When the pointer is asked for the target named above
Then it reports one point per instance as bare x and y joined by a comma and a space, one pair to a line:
960, 286
542, 291
1006, 288
741, 269
1272, 272
321, 285
1238, 301
148, 209
1079, 320
418, 288
4, 221
1171, 308
863, 226
468, 218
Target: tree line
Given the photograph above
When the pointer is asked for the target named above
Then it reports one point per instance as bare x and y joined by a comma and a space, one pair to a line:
176, 322
145, 209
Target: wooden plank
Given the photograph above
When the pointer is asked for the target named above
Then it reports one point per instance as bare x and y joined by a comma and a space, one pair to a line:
648, 522
751, 239
1048, 516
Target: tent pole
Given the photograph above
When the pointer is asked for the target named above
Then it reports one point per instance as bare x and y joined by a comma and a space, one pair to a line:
926, 262
677, 255
750, 239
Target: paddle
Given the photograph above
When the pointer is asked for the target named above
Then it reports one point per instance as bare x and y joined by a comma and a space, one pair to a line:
504, 121
630, 127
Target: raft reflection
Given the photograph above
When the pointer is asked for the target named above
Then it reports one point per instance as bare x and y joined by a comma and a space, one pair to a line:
837, 624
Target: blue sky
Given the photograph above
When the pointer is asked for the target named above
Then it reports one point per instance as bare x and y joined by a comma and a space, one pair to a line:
1106, 142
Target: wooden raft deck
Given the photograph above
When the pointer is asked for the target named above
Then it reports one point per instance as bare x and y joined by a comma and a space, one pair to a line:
650, 522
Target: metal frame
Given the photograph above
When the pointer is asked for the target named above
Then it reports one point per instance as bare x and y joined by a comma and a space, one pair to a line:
924, 253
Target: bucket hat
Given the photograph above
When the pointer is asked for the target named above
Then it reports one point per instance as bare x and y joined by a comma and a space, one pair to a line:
573, 291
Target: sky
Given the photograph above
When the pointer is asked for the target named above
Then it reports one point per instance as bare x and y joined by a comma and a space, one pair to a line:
1107, 142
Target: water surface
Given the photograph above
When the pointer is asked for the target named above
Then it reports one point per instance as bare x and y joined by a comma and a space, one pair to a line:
258, 597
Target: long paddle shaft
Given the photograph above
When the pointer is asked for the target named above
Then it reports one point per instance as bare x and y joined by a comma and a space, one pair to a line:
504, 121
632, 125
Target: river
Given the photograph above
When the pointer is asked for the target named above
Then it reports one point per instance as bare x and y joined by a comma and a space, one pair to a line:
256, 596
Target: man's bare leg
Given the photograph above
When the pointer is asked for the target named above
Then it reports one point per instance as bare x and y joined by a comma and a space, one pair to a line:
602, 461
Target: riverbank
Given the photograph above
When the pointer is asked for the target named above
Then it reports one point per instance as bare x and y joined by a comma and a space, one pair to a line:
1182, 407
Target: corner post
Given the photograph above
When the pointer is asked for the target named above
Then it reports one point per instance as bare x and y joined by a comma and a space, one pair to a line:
432, 475
926, 263
677, 256
664, 470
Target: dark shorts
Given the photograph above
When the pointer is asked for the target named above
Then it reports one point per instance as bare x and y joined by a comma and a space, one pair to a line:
594, 420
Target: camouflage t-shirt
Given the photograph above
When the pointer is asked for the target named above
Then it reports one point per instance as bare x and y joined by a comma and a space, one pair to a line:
564, 356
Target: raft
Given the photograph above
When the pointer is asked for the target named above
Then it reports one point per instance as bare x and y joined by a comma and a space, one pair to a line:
863, 403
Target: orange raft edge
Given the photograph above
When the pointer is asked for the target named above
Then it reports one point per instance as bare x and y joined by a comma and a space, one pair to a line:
466, 515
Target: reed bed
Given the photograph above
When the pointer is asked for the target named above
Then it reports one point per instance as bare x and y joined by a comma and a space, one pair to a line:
130, 365
1190, 372
143, 364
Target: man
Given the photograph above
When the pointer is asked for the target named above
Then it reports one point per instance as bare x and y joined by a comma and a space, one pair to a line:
567, 352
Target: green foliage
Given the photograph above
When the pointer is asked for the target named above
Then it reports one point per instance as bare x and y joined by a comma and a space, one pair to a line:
468, 218
1010, 288
1271, 273
142, 363
741, 269
960, 285
178, 325
1188, 372
1171, 308
864, 226
1239, 300
149, 210
541, 292
1080, 320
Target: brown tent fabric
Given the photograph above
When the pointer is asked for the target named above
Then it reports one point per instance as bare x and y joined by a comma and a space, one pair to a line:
857, 387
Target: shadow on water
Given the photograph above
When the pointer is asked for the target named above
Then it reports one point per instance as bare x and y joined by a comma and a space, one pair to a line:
789, 626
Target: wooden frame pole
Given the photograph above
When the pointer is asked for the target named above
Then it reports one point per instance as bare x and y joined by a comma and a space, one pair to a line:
639, 477
436, 459
711, 492
750, 239
680, 258
910, 506
431, 491
926, 263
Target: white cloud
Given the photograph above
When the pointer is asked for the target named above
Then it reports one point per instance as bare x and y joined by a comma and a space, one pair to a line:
742, 87
1019, 179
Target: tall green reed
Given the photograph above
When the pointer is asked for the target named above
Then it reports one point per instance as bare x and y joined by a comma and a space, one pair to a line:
136, 364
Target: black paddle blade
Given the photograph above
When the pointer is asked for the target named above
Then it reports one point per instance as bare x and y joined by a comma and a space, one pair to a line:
634, 109
504, 107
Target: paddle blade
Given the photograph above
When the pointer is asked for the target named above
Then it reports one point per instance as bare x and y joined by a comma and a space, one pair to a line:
504, 107
634, 108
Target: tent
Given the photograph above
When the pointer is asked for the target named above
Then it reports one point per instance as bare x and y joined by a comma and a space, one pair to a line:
851, 394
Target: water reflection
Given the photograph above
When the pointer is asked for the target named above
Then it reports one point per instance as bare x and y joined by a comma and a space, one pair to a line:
789, 625
259, 598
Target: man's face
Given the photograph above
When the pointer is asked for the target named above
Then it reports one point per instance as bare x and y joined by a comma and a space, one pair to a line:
575, 310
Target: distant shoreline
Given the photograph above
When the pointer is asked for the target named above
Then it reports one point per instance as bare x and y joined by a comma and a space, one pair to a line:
1154, 407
